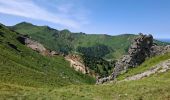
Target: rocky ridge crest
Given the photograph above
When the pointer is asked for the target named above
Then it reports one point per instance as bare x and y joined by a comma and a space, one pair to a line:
141, 49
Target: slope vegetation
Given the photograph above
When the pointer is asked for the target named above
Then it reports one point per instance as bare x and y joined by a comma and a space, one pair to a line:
99, 51
20, 65
68, 42
155, 87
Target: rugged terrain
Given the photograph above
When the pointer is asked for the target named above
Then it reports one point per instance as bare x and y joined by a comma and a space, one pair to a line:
20, 65
30, 69
141, 49
154, 87
159, 68
65, 41
98, 52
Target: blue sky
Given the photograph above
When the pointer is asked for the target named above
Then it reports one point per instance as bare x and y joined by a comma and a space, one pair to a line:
111, 17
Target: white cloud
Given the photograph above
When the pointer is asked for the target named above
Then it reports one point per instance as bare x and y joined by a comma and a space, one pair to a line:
26, 8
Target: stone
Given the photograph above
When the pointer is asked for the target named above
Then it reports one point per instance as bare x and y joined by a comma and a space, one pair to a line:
137, 53
141, 49
77, 63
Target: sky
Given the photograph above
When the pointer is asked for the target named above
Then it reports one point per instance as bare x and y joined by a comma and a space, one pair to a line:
110, 17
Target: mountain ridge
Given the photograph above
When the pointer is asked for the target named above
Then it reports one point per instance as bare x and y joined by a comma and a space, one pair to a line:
70, 36
21, 65
26, 74
100, 47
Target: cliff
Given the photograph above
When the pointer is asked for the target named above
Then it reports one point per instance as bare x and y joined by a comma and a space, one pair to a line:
141, 49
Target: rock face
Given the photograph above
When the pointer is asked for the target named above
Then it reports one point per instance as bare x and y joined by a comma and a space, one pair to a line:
159, 50
142, 48
34, 45
77, 64
138, 52
75, 60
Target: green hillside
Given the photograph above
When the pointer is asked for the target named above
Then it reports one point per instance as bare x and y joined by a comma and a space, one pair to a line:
66, 41
145, 66
20, 65
25, 74
155, 87
99, 51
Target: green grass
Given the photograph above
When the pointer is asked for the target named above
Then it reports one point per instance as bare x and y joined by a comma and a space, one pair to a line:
156, 87
145, 66
110, 47
29, 75
23, 66
66, 41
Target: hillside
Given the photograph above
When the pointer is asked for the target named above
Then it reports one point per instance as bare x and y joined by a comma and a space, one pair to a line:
26, 74
94, 49
65, 41
19, 65
154, 87
98, 51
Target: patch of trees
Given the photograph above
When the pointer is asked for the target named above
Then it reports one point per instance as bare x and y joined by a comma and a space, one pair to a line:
93, 58
99, 65
94, 51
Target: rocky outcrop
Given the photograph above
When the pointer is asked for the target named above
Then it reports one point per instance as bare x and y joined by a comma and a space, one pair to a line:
36, 46
141, 48
77, 63
138, 52
161, 67
159, 50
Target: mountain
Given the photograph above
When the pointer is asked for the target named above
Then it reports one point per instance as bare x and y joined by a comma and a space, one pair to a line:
98, 51
67, 42
20, 65
28, 74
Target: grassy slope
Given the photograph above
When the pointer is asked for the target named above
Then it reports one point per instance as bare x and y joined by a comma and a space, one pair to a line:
117, 44
155, 87
67, 41
26, 75
22, 66
145, 66
64, 39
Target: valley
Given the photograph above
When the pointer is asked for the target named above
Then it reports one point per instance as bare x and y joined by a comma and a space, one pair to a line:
38, 62
154, 87
84, 50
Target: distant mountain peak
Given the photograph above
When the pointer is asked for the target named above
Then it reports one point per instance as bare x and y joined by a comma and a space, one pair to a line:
24, 23
66, 30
